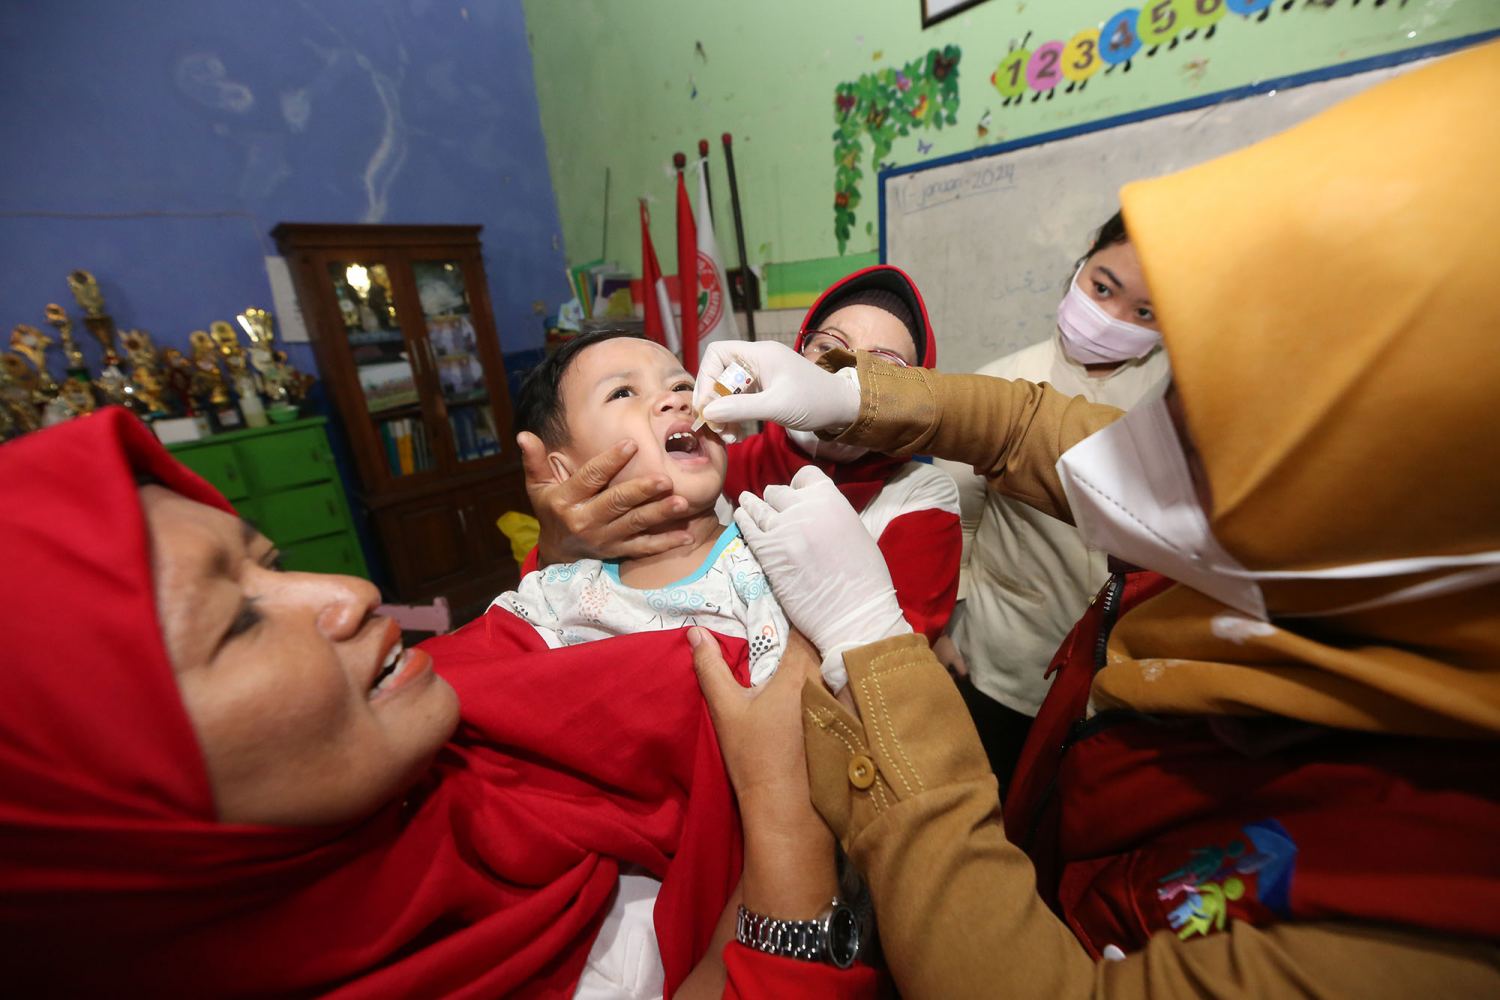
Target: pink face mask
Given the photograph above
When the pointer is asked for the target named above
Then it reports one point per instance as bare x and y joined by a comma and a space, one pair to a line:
1092, 336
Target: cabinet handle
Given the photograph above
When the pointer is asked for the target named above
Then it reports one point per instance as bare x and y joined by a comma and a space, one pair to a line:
316, 456
229, 473
333, 510
463, 521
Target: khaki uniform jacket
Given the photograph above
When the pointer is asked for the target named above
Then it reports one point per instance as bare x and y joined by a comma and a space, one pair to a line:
1026, 578
907, 789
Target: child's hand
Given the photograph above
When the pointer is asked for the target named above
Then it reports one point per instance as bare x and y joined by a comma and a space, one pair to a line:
584, 517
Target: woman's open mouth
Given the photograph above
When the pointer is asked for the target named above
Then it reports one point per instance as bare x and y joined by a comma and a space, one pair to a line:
399, 667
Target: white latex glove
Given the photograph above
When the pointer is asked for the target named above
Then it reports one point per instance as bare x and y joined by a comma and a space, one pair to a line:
789, 389
823, 567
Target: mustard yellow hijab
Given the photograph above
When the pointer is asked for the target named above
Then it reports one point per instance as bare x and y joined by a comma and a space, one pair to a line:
1330, 302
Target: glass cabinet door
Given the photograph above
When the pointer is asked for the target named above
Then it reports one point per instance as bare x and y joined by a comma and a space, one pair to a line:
455, 358
383, 364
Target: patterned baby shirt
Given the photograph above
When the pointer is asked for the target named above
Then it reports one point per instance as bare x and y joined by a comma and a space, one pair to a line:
728, 594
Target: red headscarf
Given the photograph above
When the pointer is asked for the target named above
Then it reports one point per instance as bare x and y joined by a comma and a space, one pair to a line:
489, 879
769, 457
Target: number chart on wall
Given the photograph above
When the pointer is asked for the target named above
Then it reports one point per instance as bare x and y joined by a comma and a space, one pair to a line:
992, 237
1068, 64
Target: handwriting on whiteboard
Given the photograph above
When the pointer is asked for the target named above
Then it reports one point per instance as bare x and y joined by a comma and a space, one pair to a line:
917, 195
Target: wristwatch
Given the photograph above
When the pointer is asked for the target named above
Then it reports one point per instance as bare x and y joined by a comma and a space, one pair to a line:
833, 936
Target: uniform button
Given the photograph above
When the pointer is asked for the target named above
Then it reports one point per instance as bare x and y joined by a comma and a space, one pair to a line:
861, 771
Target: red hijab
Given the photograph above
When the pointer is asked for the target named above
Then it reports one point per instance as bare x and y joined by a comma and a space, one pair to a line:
488, 879
770, 457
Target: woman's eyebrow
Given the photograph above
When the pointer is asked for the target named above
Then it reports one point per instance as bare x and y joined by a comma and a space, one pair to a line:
221, 563
1111, 276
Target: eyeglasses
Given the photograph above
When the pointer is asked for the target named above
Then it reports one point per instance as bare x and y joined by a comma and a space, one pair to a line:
820, 342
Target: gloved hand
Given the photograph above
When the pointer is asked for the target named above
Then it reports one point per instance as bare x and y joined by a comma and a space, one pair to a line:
823, 567
789, 389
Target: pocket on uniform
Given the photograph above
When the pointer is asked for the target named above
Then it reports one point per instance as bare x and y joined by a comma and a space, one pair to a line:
1012, 586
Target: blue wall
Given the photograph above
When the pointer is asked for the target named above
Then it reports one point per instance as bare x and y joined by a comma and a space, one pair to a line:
156, 145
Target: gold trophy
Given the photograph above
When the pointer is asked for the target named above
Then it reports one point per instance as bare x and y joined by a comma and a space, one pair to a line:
57, 317
146, 388
147, 381
20, 397
76, 397
86, 292
181, 377
260, 327
228, 344
207, 379
33, 343
137, 344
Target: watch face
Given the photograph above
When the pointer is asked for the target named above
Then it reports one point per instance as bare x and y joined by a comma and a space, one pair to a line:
843, 937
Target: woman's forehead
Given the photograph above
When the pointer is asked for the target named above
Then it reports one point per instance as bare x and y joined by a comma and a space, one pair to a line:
873, 325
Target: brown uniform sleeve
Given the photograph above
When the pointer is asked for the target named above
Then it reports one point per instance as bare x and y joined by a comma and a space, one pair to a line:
908, 792
1011, 432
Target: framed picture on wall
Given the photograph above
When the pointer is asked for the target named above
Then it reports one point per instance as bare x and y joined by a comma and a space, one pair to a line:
934, 11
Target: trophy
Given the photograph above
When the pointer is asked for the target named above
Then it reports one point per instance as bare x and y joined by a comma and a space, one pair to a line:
181, 377
207, 379
145, 388
20, 397
77, 398
260, 327
58, 318
33, 344
114, 388
137, 344
228, 344
86, 292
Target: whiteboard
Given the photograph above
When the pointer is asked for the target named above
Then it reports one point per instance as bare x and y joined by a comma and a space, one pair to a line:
991, 239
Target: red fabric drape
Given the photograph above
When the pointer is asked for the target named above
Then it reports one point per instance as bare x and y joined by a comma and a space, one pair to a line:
489, 878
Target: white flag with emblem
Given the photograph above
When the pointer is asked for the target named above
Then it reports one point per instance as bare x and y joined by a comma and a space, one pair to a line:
715, 316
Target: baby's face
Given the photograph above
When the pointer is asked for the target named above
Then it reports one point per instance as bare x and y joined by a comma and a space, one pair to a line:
632, 388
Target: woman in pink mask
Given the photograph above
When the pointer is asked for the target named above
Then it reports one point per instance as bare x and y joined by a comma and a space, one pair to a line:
1026, 577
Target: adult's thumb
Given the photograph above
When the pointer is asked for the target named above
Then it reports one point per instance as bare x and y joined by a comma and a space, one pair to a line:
714, 677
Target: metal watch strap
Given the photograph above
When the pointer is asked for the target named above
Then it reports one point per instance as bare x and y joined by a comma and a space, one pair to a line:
807, 940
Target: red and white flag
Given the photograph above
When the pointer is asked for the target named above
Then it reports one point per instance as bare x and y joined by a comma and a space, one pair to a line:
715, 317
687, 276
658, 306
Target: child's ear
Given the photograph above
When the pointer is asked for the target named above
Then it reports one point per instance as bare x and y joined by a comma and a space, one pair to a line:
562, 466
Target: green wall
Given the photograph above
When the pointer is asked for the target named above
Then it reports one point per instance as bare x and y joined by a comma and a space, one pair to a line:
623, 85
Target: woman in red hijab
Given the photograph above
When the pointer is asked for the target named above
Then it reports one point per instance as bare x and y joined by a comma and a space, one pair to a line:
219, 779
910, 508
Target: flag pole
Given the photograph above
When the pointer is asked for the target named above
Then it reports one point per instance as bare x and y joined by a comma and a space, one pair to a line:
739, 239
703, 155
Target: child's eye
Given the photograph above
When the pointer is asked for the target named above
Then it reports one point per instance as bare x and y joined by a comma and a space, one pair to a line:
1145, 314
1101, 289
683, 386
621, 393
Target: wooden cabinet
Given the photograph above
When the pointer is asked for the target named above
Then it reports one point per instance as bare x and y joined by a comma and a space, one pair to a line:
282, 478
401, 323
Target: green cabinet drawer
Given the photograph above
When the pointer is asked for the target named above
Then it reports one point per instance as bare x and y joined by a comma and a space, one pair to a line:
276, 461
219, 466
330, 554
305, 512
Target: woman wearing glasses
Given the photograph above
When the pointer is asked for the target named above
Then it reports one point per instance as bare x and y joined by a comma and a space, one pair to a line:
910, 508
1026, 577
